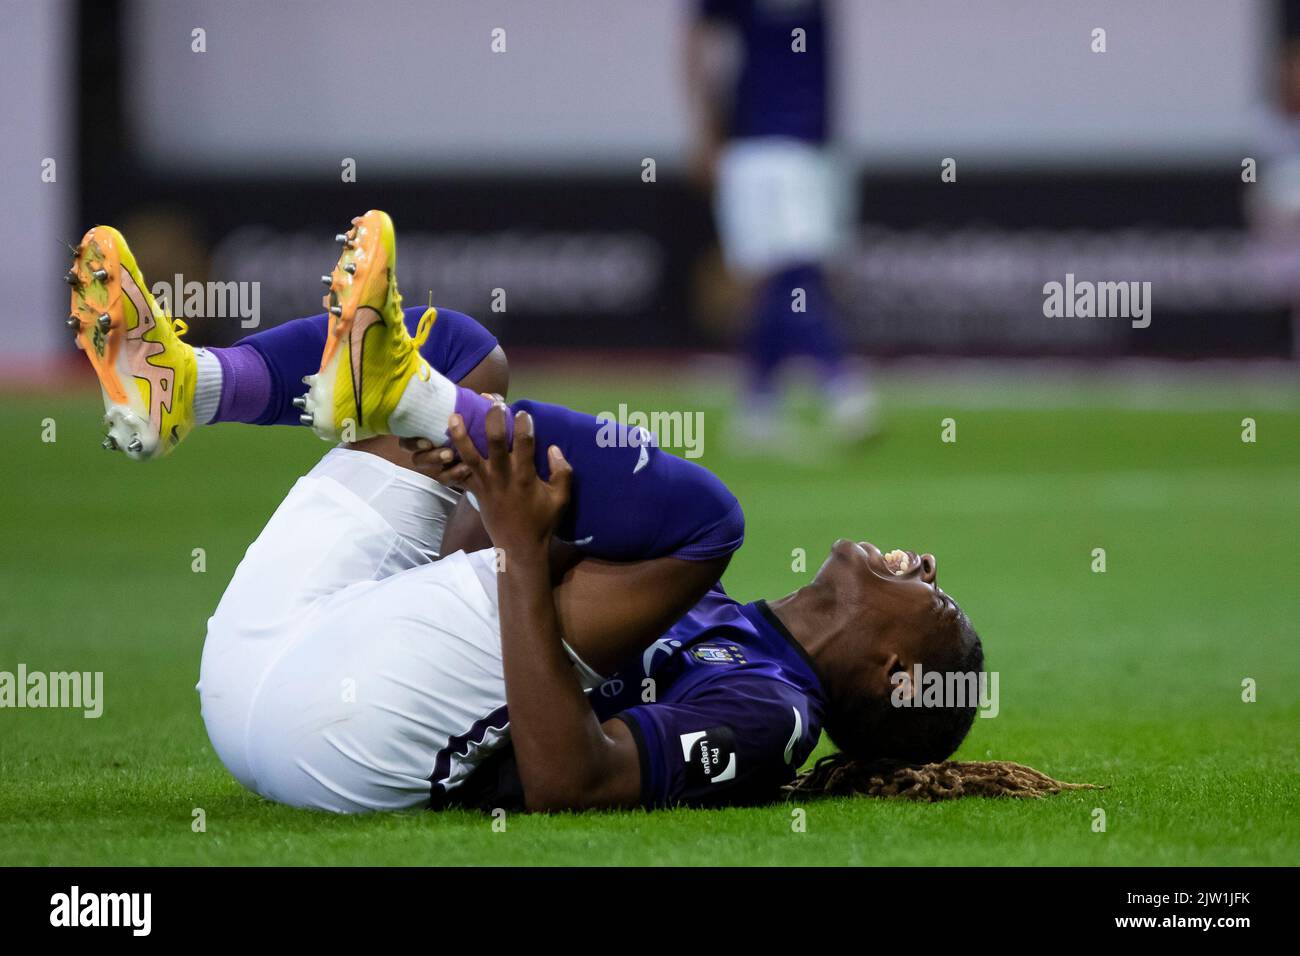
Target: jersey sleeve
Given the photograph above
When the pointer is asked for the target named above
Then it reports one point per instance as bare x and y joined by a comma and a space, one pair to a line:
732, 741
456, 342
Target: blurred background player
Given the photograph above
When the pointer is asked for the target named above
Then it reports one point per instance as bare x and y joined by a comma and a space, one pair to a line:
758, 77
1272, 201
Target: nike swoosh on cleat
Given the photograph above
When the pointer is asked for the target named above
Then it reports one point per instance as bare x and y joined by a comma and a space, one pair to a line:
357, 342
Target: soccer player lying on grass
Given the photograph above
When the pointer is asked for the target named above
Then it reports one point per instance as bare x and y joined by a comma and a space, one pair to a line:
349, 668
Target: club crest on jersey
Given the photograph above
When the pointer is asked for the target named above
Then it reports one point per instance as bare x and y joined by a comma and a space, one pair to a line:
718, 654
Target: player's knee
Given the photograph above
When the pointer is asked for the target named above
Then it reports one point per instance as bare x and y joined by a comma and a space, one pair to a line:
714, 522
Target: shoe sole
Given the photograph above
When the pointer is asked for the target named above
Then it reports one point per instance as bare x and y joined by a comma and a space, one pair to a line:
361, 269
97, 314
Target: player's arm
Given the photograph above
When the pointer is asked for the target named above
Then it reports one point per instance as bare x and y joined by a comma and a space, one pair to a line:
464, 531
734, 739
567, 759
491, 375
703, 55
608, 610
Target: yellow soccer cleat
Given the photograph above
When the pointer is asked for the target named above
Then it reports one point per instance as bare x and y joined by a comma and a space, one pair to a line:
147, 374
369, 356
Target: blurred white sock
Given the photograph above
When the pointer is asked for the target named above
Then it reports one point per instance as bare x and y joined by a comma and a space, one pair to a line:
852, 408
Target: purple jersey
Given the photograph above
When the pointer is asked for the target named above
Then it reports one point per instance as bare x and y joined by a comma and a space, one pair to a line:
778, 92
724, 708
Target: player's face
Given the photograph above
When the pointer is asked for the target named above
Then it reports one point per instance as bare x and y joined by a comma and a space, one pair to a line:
896, 595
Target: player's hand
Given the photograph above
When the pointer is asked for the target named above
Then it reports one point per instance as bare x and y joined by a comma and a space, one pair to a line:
440, 462
517, 507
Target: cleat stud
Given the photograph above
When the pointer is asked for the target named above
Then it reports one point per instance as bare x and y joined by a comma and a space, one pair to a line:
300, 403
341, 237
350, 268
74, 323
100, 274
307, 379
135, 446
105, 322
306, 419
327, 281
71, 278
108, 444
336, 310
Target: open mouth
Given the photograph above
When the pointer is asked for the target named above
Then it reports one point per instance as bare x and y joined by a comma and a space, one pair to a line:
899, 562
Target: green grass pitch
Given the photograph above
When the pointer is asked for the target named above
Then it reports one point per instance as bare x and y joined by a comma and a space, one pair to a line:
1131, 678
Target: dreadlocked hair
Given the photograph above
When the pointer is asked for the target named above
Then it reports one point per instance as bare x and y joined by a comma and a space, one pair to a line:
890, 751
841, 775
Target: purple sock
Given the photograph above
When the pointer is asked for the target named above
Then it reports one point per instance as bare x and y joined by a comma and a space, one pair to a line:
245, 385
473, 408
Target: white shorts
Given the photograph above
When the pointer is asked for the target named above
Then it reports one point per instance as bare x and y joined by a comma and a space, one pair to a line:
779, 202
345, 668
